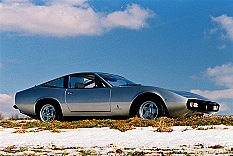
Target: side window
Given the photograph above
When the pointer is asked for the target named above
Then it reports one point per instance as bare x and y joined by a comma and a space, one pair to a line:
56, 83
76, 82
85, 81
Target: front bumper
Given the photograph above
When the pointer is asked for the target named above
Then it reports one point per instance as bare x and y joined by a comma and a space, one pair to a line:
202, 106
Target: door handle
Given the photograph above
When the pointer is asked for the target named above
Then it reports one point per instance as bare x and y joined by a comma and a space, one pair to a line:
69, 93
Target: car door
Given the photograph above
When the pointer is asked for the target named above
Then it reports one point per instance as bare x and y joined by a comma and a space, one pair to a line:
87, 93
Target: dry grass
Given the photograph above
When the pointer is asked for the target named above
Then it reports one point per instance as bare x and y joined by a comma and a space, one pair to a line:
162, 124
56, 150
163, 127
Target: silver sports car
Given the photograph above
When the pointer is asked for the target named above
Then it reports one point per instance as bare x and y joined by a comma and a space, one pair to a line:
102, 94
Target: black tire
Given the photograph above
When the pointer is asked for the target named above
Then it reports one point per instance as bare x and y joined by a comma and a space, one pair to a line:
49, 112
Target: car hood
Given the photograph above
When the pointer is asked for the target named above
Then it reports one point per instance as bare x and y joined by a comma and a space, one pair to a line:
190, 95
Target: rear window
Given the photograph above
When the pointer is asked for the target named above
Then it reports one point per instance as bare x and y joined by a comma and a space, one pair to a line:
55, 83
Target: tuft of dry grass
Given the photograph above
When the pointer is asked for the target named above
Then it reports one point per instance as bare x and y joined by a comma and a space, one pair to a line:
163, 127
20, 131
207, 128
216, 147
119, 151
55, 130
186, 129
10, 149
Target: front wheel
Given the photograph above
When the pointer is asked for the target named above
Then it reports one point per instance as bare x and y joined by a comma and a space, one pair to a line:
148, 110
48, 113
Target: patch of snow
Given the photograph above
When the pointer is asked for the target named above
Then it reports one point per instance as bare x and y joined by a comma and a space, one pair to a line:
141, 137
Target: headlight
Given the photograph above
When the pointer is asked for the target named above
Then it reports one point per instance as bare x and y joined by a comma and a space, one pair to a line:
215, 107
193, 104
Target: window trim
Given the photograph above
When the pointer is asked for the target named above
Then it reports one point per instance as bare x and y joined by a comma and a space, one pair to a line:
106, 83
81, 74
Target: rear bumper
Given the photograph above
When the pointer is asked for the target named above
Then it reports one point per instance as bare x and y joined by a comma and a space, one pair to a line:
15, 107
202, 106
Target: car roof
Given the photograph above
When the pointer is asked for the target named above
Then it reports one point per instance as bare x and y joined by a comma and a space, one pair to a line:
90, 72
93, 73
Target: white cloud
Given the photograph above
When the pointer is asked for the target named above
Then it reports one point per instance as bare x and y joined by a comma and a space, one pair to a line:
221, 75
82, 3
226, 107
215, 94
226, 23
213, 30
6, 103
221, 47
67, 18
133, 18
4, 98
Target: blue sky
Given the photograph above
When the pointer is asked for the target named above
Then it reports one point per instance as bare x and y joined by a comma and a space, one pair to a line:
179, 45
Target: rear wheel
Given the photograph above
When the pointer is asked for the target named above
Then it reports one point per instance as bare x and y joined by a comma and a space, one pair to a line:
48, 113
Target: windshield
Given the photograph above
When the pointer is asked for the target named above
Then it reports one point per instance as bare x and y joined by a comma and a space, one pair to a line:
115, 80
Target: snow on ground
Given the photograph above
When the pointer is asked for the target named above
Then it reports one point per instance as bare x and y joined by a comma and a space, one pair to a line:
110, 139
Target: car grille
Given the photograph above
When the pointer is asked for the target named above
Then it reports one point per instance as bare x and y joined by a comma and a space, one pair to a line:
203, 106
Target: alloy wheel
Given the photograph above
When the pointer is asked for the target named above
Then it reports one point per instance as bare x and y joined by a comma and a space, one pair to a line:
47, 113
148, 110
